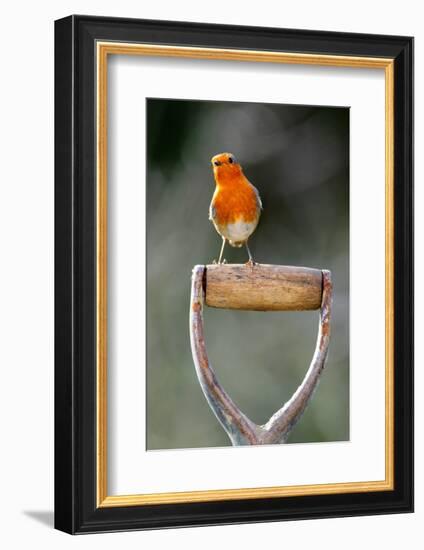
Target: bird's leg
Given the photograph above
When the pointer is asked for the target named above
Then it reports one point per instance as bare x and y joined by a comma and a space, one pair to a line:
222, 250
250, 261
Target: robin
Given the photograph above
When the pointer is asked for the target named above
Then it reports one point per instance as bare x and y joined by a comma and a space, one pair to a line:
236, 205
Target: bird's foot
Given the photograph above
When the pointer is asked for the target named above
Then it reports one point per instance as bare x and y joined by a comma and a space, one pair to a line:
250, 263
224, 261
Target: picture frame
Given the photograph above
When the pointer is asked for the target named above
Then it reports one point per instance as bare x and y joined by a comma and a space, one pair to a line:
83, 45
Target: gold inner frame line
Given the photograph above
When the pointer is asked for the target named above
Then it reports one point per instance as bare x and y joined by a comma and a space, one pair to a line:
104, 49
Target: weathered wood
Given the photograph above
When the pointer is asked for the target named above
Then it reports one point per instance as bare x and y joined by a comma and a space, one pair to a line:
240, 429
263, 287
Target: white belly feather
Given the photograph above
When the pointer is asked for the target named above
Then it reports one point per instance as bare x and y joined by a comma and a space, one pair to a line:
238, 232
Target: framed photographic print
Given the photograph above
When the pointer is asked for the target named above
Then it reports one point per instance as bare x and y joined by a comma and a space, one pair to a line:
234, 274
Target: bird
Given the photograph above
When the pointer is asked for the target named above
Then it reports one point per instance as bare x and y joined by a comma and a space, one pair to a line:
236, 205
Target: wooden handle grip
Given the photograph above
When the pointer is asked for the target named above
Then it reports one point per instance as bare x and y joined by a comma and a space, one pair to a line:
263, 287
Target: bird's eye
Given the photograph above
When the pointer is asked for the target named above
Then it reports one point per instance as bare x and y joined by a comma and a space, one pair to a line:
230, 160
216, 162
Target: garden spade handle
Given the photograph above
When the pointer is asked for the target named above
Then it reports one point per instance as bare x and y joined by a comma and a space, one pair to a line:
259, 288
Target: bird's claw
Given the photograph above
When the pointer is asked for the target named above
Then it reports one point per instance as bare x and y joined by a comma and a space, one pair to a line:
250, 263
224, 261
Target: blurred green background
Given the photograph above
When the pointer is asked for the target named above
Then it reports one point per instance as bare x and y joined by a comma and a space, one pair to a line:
298, 158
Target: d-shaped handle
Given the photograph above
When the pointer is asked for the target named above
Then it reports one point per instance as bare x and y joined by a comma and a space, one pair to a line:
260, 288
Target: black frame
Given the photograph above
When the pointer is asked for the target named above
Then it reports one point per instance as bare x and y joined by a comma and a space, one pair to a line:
75, 275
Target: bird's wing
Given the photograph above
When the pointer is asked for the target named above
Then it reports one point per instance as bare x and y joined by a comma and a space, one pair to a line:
212, 212
258, 198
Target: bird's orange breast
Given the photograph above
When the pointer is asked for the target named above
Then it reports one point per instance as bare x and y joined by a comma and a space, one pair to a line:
234, 199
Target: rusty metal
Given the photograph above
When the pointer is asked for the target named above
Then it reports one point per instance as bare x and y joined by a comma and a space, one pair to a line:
240, 429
